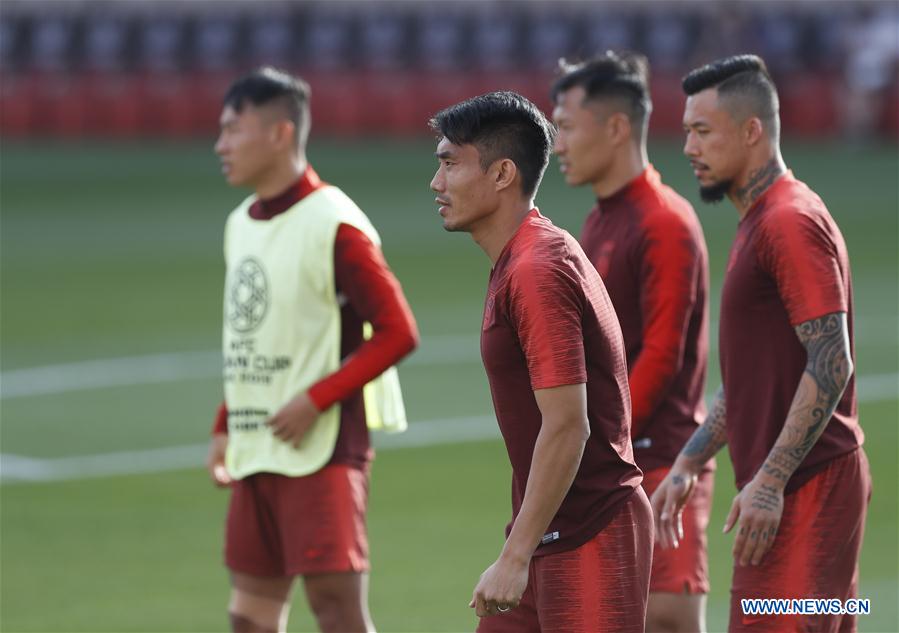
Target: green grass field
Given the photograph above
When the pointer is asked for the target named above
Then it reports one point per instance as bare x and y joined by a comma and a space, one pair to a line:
114, 251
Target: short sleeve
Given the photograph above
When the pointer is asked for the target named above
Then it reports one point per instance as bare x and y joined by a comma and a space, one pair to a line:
801, 253
546, 304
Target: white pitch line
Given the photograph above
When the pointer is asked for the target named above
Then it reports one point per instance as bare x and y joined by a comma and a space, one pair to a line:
162, 368
18, 469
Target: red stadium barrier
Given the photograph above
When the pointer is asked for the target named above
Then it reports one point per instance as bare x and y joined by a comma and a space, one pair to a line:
348, 104
59, 105
808, 104
667, 104
166, 101
337, 108
207, 92
16, 105
113, 105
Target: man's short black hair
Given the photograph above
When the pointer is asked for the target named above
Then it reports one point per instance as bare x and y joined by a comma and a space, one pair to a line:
501, 125
269, 85
619, 76
744, 83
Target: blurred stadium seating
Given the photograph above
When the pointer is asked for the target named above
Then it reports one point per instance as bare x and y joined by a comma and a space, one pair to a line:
157, 68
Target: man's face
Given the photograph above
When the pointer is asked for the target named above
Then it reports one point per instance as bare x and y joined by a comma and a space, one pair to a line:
245, 145
713, 144
465, 192
582, 142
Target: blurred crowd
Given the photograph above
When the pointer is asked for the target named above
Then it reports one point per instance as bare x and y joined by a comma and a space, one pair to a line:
854, 46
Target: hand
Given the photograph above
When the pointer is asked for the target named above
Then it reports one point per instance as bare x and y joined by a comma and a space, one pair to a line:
668, 503
215, 460
758, 507
295, 418
500, 587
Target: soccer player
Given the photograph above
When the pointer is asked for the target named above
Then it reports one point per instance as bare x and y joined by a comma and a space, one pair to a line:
647, 245
578, 549
305, 275
787, 409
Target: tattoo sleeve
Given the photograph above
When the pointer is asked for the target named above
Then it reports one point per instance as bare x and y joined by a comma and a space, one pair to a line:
710, 436
827, 371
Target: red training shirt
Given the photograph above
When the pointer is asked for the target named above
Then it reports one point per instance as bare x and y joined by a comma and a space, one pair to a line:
788, 264
372, 294
548, 322
648, 247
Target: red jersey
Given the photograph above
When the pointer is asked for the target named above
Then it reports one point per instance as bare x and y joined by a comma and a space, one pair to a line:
788, 264
648, 247
548, 322
372, 294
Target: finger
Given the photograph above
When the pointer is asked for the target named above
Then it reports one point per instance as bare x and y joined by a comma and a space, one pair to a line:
672, 513
656, 501
680, 525
273, 424
748, 537
280, 429
482, 608
220, 476
658, 513
739, 542
753, 536
733, 515
766, 540
688, 490
666, 538
760, 542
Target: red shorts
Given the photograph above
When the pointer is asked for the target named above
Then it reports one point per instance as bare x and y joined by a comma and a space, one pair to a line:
600, 586
289, 526
815, 553
686, 568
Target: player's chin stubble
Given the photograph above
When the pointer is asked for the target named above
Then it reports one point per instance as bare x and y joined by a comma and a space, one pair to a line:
714, 193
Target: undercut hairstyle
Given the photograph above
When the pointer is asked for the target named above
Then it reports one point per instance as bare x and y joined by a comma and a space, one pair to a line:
269, 86
501, 125
744, 87
622, 78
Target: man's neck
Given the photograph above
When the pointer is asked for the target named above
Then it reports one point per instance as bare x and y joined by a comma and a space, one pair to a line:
625, 167
278, 180
758, 177
494, 231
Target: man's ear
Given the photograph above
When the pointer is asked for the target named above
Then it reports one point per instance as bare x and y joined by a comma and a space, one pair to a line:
284, 133
618, 126
753, 131
504, 173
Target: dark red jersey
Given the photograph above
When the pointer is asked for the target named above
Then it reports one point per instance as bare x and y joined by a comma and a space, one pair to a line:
548, 322
647, 245
372, 294
788, 264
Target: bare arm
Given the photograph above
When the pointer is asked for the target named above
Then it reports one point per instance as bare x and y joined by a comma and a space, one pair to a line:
669, 498
827, 372
556, 459
708, 438
760, 504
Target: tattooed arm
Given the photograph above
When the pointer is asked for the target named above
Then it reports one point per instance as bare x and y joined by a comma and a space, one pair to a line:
708, 439
669, 498
760, 504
